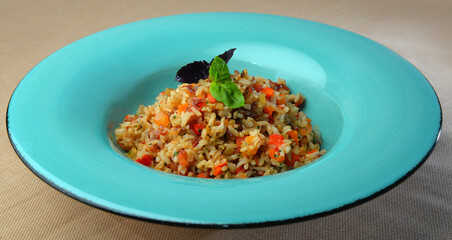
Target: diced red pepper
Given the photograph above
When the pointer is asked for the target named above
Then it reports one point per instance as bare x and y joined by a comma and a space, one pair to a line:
295, 158
257, 87
269, 110
276, 140
183, 107
294, 135
201, 104
146, 160
211, 98
162, 119
274, 154
197, 128
268, 91
203, 175
218, 169
182, 157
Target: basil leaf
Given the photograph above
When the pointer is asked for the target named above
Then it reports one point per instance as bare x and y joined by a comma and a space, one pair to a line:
215, 90
222, 87
219, 71
233, 96
227, 55
227, 93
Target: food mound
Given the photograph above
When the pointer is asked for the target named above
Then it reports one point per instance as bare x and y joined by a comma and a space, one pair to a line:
189, 132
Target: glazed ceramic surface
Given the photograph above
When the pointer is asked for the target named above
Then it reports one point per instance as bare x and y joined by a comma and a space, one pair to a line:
378, 115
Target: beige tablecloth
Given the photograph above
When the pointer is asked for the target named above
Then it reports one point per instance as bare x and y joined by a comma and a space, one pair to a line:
419, 208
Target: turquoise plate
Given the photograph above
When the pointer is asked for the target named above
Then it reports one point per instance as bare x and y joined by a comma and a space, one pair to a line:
379, 117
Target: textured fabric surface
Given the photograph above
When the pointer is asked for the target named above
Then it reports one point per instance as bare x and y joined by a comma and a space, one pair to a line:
418, 208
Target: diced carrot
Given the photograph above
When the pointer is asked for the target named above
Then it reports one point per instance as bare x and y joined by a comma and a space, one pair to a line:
182, 157
274, 154
146, 160
197, 128
294, 135
211, 98
162, 119
295, 158
281, 100
183, 107
249, 139
221, 165
268, 91
203, 175
130, 118
218, 169
174, 131
276, 140
269, 110
306, 130
257, 87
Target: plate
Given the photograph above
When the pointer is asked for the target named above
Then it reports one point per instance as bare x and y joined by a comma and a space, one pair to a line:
379, 117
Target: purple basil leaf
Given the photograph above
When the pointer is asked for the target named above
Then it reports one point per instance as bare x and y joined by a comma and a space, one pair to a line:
226, 56
193, 72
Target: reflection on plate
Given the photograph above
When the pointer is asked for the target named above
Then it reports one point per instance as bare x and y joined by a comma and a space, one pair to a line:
379, 117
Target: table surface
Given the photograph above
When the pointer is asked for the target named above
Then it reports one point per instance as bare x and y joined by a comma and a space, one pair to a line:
418, 208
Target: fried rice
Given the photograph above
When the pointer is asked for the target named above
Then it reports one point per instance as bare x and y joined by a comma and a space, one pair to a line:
188, 132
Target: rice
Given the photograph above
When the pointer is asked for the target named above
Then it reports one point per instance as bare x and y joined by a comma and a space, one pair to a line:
187, 132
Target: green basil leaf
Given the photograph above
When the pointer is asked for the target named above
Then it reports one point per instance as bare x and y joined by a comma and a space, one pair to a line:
222, 88
227, 93
233, 96
219, 71
215, 90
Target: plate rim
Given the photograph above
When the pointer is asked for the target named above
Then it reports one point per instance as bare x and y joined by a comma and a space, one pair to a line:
219, 225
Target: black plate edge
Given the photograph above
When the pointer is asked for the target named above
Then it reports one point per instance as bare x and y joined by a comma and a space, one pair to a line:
243, 225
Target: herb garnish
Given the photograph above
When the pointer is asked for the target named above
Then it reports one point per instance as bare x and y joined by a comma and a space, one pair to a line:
193, 72
222, 87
